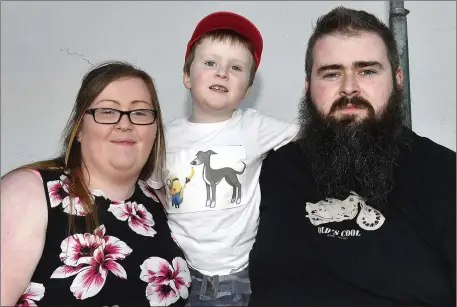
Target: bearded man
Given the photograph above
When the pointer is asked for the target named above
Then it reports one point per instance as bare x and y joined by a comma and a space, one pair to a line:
360, 211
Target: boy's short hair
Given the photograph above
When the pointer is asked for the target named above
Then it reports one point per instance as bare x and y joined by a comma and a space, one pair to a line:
224, 26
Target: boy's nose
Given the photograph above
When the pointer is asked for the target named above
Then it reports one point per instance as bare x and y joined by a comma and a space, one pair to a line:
221, 73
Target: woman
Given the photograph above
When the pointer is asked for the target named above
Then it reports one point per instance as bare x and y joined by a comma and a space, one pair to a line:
84, 229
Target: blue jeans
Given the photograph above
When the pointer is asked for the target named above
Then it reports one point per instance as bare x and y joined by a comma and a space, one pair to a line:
219, 290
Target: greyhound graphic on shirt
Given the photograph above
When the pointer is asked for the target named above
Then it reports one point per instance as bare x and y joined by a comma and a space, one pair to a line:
213, 177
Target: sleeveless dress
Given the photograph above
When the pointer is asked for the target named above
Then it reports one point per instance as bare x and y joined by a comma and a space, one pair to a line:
130, 259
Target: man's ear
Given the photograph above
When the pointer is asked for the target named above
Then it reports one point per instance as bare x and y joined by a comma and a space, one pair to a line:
186, 80
399, 77
306, 84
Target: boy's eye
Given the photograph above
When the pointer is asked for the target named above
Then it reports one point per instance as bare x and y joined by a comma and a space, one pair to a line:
236, 67
210, 63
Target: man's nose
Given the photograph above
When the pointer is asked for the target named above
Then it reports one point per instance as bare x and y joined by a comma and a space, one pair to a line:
350, 86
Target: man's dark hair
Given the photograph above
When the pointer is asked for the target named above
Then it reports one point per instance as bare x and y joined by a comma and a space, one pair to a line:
351, 22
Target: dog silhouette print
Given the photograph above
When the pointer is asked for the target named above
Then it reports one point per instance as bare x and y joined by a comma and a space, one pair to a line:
213, 177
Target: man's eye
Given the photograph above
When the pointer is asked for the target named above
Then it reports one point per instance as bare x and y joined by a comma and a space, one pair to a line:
330, 75
368, 72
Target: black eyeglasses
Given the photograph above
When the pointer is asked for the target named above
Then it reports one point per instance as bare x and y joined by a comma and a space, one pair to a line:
113, 116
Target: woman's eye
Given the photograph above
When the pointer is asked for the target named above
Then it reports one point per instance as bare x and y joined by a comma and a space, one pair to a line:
139, 113
107, 111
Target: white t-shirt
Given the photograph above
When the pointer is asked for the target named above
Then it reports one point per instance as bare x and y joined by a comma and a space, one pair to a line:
214, 216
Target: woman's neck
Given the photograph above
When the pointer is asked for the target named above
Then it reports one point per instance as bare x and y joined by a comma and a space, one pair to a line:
115, 188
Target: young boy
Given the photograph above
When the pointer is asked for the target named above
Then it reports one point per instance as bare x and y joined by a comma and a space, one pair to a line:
214, 159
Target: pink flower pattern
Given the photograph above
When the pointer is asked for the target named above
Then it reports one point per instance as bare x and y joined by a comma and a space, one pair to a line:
166, 283
91, 257
59, 194
147, 190
139, 219
33, 292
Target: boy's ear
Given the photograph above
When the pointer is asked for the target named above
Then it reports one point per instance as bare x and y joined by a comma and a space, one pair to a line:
186, 80
248, 91
399, 77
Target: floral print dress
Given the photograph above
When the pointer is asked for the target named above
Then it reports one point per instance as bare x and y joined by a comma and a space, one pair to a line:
130, 259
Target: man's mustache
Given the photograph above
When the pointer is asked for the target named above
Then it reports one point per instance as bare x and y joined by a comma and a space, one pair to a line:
356, 101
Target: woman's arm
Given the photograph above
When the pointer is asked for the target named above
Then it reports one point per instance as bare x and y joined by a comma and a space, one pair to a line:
23, 231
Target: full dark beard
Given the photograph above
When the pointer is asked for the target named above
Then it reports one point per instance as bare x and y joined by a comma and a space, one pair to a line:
348, 155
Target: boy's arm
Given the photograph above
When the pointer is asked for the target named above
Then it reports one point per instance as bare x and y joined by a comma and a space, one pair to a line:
155, 181
161, 195
274, 133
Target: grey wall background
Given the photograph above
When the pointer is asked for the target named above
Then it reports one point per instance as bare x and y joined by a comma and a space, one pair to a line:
47, 47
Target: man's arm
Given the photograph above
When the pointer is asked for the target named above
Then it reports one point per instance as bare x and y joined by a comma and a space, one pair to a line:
439, 206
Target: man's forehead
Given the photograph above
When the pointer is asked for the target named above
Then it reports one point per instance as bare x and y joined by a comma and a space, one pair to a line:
346, 50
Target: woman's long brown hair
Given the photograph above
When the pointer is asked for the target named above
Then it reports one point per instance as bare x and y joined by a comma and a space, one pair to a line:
71, 159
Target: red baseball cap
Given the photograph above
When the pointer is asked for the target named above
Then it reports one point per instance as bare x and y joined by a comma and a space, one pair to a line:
229, 21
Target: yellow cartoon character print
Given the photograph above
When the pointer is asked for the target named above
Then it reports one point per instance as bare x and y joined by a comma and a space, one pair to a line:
175, 189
